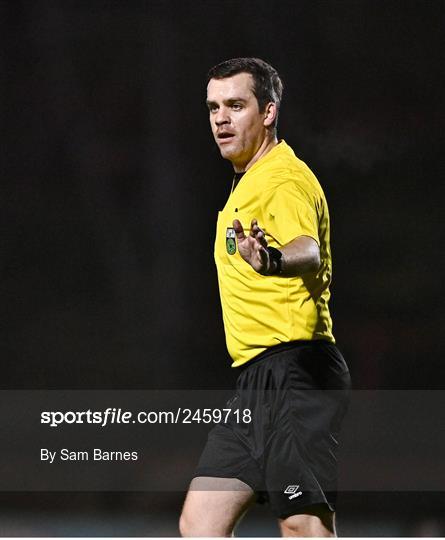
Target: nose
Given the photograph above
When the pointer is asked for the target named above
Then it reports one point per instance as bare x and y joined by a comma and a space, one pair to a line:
222, 117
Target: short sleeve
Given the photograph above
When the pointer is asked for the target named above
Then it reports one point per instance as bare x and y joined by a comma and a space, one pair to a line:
290, 211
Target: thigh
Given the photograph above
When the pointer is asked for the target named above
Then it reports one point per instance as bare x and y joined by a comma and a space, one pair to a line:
313, 521
213, 506
228, 454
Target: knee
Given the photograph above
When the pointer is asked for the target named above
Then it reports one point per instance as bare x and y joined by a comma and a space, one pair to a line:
185, 526
190, 527
318, 523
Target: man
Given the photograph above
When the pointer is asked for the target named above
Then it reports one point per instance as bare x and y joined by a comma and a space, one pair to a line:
274, 287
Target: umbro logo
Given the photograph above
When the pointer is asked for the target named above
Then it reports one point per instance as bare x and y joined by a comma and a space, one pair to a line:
293, 491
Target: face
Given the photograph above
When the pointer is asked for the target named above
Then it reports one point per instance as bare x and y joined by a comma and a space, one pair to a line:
238, 126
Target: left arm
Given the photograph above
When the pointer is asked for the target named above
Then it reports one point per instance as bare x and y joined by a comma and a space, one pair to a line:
299, 256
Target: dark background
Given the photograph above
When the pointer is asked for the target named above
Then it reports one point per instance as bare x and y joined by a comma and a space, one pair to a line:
110, 185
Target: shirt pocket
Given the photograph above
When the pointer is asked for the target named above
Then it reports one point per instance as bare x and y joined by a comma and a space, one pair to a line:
226, 244
233, 258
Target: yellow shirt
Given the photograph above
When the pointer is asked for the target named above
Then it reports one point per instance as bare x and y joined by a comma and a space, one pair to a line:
282, 193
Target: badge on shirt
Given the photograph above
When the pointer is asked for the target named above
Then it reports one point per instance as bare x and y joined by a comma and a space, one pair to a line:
230, 241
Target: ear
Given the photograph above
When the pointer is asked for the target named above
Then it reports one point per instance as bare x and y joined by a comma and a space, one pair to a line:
270, 114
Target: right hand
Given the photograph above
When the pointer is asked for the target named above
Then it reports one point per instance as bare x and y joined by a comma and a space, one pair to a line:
252, 248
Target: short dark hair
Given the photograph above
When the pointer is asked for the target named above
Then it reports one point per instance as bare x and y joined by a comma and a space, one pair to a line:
267, 85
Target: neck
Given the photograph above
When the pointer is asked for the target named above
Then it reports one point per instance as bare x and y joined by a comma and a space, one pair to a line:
265, 147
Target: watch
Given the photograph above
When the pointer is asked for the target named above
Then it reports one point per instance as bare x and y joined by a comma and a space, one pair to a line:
277, 256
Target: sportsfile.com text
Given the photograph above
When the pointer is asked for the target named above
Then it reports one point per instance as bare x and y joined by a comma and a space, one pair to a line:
114, 415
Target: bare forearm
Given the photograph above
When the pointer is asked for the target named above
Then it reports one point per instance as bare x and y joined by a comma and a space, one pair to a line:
300, 256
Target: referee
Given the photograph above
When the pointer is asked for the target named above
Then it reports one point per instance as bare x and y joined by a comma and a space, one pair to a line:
273, 258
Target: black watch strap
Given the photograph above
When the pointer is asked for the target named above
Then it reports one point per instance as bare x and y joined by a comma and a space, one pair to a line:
275, 255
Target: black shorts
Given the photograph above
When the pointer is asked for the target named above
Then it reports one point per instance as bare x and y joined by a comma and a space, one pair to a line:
297, 394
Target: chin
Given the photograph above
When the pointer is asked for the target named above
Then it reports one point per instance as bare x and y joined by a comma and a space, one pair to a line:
228, 153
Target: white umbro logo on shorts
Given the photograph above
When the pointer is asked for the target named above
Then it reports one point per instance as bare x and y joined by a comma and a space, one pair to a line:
293, 492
